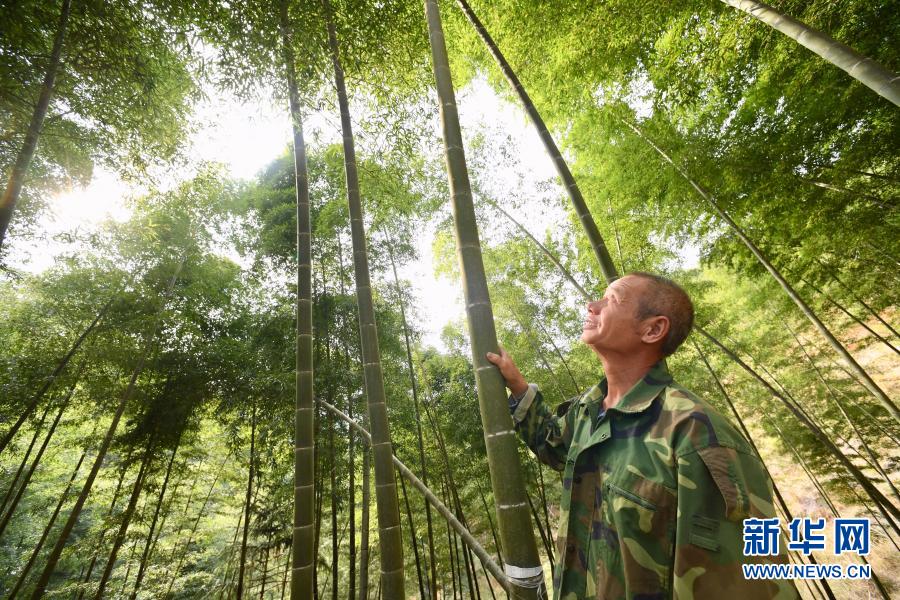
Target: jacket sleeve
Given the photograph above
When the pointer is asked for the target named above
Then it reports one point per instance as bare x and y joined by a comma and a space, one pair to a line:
547, 433
719, 487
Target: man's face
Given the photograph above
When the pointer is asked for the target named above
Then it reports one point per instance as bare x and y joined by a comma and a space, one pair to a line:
611, 323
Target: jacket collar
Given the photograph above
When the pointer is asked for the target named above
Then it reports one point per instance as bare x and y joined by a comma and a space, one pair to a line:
639, 397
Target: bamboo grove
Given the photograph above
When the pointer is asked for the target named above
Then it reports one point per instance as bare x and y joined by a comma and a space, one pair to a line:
230, 393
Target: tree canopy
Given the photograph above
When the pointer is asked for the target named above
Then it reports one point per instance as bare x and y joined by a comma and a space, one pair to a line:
148, 376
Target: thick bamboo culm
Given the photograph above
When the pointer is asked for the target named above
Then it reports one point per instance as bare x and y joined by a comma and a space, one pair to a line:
303, 539
390, 540
862, 68
521, 561
439, 506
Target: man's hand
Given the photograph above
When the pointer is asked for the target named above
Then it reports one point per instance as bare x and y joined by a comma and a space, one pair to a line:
514, 380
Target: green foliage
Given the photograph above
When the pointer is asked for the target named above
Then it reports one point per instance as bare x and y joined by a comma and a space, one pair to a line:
121, 97
801, 156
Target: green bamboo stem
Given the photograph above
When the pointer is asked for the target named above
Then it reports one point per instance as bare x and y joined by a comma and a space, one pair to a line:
576, 387
145, 555
364, 525
37, 459
495, 571
451, 484
839, 348
451, 547
29, 144
412, 538
351, 448
432, 586
521, 561
168, 507
23, 575
247, 505
872, 455
487, 513
85, 576
853, 317
870, 73
136, 490
388, 506
830, 430
864, 304
795, 409
858, 475
536, 346
53, 376
543, 491
612, 218
149, 342
562, 168
34, 438
552, 257
303, 548
174, 576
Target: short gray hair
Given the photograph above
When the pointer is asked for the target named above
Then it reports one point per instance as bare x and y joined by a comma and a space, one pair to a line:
666, 298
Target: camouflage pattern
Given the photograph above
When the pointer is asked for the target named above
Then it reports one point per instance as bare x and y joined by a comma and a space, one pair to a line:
653, 495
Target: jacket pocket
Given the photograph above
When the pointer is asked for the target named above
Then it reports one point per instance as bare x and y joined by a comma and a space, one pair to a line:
641, 514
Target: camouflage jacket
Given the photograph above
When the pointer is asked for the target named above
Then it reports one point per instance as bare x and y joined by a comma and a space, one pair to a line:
654, 492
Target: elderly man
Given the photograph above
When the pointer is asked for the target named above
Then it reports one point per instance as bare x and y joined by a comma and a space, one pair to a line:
656, 483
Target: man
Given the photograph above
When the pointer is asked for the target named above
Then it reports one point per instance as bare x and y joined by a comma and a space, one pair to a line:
656, 483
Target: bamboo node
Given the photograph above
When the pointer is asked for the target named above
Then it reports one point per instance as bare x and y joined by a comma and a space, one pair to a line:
524, 577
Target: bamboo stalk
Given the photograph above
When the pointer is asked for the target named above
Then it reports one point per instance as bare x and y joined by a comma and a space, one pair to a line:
451, 484
874, 492
778, 496
838, 347
412, 537
145, 555
364, 540
351, 448
864, 304
34, 438
23, 576
562, 168
303, 548
52, 378
126, 518
388, 506
37, 459
870, 73
187, 543
23, 160
872, 455
522, 563
86, 573
247, 504
432, 586
102, 450
439, 506
863, 481
853, 317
